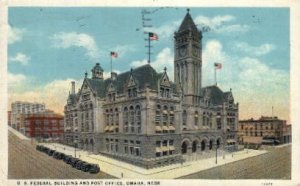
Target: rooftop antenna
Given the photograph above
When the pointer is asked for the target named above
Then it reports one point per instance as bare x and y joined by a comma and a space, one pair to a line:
146, 24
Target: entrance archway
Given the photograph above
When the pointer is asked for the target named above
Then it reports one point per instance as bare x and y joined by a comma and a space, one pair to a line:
203, 144
194, 146
184, 147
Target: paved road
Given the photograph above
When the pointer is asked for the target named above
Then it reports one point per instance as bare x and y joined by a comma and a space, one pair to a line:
25, 162
275, 164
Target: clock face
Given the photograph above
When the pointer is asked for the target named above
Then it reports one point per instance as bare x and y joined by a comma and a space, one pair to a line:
182, 51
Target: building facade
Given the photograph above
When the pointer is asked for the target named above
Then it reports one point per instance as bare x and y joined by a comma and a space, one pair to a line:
143, 118
20, 110
45, 125
264, 130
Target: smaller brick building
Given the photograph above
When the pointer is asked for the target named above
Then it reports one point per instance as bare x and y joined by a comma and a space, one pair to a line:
264, 130
45, 125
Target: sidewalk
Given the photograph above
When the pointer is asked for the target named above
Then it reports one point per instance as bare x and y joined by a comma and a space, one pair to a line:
125, 170
17, 133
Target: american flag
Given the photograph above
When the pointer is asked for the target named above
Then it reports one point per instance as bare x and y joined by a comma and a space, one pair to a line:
114, 54
218, 65
153, 36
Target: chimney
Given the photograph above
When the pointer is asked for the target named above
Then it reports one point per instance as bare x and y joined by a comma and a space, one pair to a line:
114, 75
73, 87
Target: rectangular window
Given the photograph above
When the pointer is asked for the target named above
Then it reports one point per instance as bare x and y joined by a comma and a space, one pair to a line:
171, 142
126, 149
165, 143
158, 143
165, 153
131, 150
158, 154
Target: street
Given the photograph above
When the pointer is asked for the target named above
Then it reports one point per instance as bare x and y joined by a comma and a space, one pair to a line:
24, 162
273, 165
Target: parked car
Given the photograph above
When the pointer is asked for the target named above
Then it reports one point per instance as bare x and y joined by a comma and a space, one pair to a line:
38, 147
78, 164
74, 161
66, 158
85, 166
94, 169
58, 155
51, 152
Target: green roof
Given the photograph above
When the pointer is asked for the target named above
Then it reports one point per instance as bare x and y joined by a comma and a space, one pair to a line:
144, 75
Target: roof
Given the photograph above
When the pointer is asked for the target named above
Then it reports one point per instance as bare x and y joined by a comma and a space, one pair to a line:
144, 75
217, 96
187, 23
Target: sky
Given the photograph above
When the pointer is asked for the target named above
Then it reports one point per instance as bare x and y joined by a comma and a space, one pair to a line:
50, 47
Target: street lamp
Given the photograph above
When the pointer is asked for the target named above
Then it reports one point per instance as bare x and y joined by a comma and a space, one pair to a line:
216, 154
75, 144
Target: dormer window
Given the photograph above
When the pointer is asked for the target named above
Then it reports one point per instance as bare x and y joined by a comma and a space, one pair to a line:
132, 92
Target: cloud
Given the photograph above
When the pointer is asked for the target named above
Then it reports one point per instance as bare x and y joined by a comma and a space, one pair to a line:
54, 94
20, 58
254, 50
15, 34
107, 75
14, 79
165, 58
74, 39
220, 24
256, 86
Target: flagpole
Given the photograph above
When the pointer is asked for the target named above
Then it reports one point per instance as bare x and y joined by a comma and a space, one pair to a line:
215, 74
110, 64
149, 49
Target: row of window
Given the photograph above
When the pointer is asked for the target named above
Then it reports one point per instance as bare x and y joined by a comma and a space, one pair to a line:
261, 127
131, 147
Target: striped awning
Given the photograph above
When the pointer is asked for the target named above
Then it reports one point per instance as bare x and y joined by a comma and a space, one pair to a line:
158, 149
111, 128
171, 127
231, 141
164, 148
165, 128
158, 128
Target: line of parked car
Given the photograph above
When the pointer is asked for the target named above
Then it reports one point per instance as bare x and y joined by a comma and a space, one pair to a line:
74, 162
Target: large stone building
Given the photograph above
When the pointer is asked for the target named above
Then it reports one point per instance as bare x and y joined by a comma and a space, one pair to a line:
141, 117
267, 130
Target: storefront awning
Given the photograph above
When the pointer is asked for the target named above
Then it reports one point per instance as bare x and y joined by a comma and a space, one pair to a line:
165, 128
172, 148
171, 127
158, 128
164, 148
158, 149
112, 128
106, 128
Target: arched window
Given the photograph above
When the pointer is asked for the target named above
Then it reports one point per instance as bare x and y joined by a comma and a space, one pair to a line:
196, 118
157, 115
194, 146
125, 119
131, 118
165, 115
172, 118
116, 116
203, 145
184, 117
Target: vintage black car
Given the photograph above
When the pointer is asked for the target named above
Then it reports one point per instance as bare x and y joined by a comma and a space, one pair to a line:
94, 169
51, 152
67, 158
74, 161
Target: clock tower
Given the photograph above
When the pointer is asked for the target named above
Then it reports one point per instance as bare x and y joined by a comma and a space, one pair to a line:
188, 59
